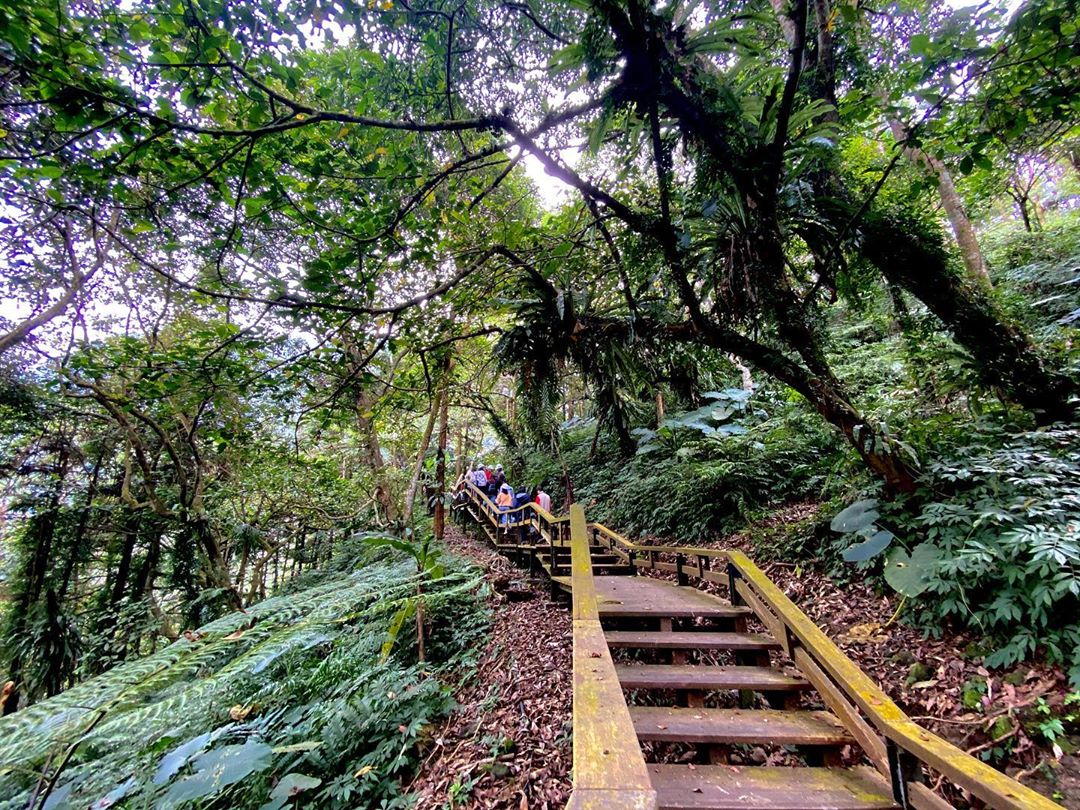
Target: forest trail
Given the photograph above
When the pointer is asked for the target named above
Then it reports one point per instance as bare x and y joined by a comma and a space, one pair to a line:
670, 681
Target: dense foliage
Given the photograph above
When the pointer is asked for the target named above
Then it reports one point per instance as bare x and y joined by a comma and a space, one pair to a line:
254, 708
278, 271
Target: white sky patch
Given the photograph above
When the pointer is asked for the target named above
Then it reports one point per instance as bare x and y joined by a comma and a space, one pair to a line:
554, 193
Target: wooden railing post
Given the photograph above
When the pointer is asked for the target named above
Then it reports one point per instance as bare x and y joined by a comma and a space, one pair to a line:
681, 577
733, 577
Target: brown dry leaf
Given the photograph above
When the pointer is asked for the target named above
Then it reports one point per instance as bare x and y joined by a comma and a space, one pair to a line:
239, 712
869, 632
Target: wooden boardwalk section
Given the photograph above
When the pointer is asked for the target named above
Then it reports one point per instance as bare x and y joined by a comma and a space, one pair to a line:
677, 689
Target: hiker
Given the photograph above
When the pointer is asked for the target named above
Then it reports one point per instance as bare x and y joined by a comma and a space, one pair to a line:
490, 487
521, 498
542, 499
479, 479
504, 500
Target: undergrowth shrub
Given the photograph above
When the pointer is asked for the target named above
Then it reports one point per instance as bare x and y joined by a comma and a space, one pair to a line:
694, 486
1038, 278
287, 701
998, 516
1007, 521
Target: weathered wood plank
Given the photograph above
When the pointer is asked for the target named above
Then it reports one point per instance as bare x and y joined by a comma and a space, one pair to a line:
689, 640
735, 726
644, 597
720, 787
772, 622
868, 739
675, 676
609, 769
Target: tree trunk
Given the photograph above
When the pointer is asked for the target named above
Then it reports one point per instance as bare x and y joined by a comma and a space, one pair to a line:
747, 383
439, 521
1005, 356
950, 201
42, 532
80, 530
425, 442
1022, 209
372, 452
217, 569
827, 395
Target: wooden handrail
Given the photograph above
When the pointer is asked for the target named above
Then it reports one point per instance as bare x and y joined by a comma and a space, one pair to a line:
963, 770
628, 545
609, 768
543, 514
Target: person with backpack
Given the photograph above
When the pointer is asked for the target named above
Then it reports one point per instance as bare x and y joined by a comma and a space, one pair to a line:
479, 477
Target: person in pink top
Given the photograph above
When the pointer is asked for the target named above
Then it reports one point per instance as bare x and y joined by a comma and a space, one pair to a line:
542, 499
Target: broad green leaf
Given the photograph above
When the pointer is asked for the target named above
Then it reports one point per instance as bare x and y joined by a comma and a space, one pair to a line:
220, 768
877, 543
856, 517
910, 575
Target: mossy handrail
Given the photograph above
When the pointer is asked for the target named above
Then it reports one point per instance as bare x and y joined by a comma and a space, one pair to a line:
609, 768
903, 743
805, 640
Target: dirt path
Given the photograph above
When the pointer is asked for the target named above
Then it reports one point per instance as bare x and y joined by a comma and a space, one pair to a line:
509, 744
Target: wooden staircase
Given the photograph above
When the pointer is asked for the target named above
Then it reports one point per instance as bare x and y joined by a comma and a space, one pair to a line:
703, 692
684, 699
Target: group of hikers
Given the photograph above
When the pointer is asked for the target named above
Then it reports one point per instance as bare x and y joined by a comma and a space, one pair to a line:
492, 482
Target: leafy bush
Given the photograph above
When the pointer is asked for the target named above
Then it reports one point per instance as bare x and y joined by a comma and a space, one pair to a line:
289, 693
702, 473
1039, 279
997, 537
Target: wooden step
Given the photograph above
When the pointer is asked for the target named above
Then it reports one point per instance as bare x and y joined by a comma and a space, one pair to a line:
597, 559
613, 569
565, 551
563, 582
645, 597
706, 678
648, 640
720, 787
733, 726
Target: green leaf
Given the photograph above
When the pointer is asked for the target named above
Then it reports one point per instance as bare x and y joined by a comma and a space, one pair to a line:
920, 44
293, 784
306, 745
220, 768
176, 759
870, 548
395, 630
910, 575
856, 517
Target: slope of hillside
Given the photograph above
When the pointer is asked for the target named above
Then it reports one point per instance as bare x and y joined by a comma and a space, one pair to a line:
290, 697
